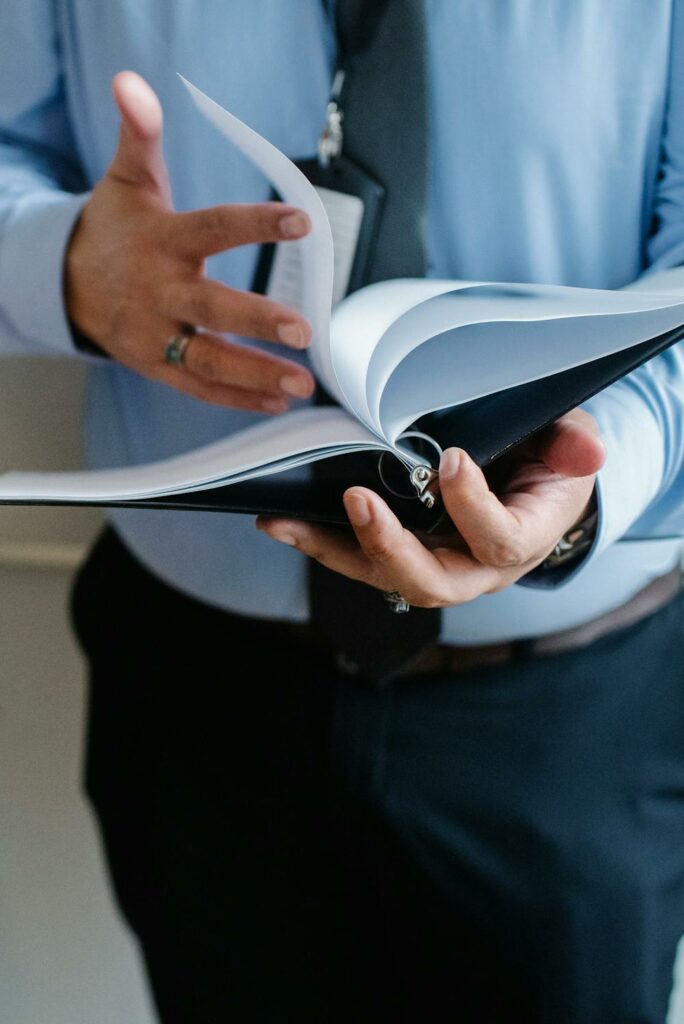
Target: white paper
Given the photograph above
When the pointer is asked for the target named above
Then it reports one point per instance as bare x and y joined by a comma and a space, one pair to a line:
316, 248
273, 446
419, 346
399, 349
345, 214
464, 344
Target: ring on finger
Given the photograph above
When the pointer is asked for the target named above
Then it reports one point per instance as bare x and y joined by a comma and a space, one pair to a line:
176, 347
397, 602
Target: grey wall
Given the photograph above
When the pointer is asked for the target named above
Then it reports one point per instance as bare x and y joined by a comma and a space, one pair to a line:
65, 956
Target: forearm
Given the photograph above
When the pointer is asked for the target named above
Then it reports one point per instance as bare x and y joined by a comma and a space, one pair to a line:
641, 420
642, 424
40, 177
37, 218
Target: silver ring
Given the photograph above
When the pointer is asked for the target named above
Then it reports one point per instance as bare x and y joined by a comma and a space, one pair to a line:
174, 353
397, 603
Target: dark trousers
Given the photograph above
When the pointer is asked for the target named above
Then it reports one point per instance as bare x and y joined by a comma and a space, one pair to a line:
292, 845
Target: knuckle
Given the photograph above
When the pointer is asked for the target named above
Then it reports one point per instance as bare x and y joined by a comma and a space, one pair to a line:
318, 552
205, 364
216, 221
260, 317
266, 217
153, 227
379, 550
168, 295
263, 221
504, 552
203, 310
430, 597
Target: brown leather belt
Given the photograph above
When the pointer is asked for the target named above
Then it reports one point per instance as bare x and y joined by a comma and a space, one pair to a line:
450, 658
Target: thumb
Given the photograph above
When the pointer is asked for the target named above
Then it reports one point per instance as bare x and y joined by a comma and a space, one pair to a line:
139, 159
573, 446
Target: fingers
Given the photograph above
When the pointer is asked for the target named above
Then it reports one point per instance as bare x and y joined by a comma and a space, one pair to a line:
494, 534
201, 233
427, 578
573, 446
385, 555
521, 527
219, 362
504, 538
217, 307
221, 394
394, 555
332, 547
135, 274
139, 159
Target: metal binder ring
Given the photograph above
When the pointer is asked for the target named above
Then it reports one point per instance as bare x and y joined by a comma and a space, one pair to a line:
411, 491
422, 437
397, 602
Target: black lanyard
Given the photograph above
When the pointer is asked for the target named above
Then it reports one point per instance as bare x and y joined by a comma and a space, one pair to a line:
356, 23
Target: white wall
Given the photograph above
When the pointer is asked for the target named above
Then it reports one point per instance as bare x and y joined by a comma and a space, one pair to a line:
65, 956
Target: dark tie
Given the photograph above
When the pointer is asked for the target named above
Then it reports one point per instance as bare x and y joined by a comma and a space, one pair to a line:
386, 132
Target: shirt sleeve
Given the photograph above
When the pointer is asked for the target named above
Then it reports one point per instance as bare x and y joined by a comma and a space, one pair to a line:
640, 489
41, 183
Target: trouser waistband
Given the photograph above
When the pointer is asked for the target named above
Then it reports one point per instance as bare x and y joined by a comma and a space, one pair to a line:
456, 658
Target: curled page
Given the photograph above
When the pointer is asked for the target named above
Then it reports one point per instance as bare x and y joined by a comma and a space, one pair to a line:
422, 346
271, 447
471, 342
316, 249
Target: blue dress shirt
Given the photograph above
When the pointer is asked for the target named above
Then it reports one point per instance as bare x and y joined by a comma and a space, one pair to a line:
557, 156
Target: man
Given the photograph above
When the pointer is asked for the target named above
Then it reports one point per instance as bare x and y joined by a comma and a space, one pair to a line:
495, 832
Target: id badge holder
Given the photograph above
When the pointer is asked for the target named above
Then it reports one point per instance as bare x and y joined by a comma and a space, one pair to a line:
353, 201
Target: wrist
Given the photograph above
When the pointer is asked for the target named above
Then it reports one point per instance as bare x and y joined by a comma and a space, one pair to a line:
576, 541
76, 307
82, 338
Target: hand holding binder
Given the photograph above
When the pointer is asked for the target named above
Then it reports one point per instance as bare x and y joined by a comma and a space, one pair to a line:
487, 541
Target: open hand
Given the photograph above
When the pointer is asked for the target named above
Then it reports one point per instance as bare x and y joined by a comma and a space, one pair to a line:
134, 275
544, 488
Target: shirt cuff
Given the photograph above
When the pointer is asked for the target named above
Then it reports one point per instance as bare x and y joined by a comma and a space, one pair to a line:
629, 480
34, 242
632, 474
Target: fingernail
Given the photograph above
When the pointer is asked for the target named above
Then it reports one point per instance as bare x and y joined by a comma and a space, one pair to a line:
449, 463
284, 538
358, 510
296, 386
275, 405
276, 530
292, 334
294, 225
